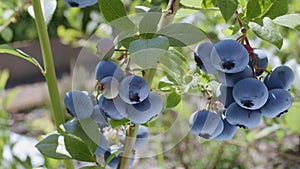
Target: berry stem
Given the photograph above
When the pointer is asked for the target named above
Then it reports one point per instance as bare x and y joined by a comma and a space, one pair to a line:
243, 39
49, 73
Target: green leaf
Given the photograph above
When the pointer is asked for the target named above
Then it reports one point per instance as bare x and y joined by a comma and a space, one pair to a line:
253, 9
50, 147
114, 12
289, 20
174, 62
227, 8
7, 34
292, 118
147, 52
74, 127
150, 20
276, 8
182, 34
78, 149
173, 100
267, 32
117, 123
16, 52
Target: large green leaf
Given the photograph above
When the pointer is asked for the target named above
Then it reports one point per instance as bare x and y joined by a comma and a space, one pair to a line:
175, 62
114, 12
266, 8
292, 118
147, 52
16, 52
227, 8
50, 147
74, 127
267, 32
276, 8
182, 34
253, 9
65, 147
289, 20
78, 149
149, 22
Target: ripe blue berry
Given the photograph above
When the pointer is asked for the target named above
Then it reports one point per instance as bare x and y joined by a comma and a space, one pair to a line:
114, 108
230, 79
229, 56
206, 124
134, 89
143, 112
108, 68
278, 102
202, 57
241, 117
228, 131
281, 77
78, 104
250, 93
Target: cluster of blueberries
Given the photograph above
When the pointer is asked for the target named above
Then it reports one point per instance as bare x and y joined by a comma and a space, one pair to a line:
246, 98
117, 97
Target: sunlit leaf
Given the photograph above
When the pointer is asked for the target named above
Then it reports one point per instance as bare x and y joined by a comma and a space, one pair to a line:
267, 32
289, 20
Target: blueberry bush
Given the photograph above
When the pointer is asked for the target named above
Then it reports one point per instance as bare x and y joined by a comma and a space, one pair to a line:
225, 70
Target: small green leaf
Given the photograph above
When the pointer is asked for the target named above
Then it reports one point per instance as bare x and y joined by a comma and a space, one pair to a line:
267, 32
50, 147
150, 21
276, 8
147, 52
233, 29
117, 123
289, 20
182, 34
173, 100
253, 9
16, 52
7, 34
227, 8
78, 149
292, 118
114, 12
